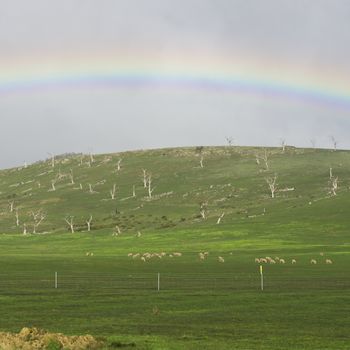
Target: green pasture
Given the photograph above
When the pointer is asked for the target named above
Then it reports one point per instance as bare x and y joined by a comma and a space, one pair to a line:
200, 304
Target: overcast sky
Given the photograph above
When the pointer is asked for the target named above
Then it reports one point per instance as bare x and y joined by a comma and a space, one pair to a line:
310, 37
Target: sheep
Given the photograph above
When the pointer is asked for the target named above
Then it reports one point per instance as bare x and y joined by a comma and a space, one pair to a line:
143, 258
170, 255
263, 260
177, 254
329, 261
282, 261
130, 254
313, 262
201, 256
294, 261
136, 255
272, 261
221, 259
257, 260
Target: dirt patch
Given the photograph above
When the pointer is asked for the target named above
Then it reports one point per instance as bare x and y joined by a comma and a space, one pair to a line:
38, 339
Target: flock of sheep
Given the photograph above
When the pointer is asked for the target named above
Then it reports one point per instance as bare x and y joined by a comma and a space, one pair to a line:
277, 260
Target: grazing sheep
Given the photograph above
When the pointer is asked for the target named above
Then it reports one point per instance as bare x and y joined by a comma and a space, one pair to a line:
263, 260
313, 262
272, 261
321, 253
277, 258
87, 254
130, 254
177, 254
257, 260
201, 256
91, 254
143, 258
329, 261
294, 261
136, 255
282, 261
170, 255
221, 259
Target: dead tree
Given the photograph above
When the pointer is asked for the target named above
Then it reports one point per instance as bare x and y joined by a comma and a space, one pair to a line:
91, 190
117, 230
283, 145
229, 141
313, 143
271, 181
113, 191
334, 186
203, 210
38, 218
88, 223
52, 156
149, 186
24, 229
133, 191
71, 176
144, 178
330, 173
220, 217
264, 157
17, 217
11, 206
69, 220
334, 142
201, 161
119, 164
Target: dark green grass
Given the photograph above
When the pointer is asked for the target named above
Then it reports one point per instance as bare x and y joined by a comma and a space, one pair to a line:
201, 305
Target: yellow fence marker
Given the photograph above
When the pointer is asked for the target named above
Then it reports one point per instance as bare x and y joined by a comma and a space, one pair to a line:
261, 277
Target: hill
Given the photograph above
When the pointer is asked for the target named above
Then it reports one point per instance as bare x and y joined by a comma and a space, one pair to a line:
159, 211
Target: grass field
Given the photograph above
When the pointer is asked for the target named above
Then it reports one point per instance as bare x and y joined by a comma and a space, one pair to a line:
201, 304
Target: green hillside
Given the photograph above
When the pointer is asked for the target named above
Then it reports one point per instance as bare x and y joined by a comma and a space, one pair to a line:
203, 199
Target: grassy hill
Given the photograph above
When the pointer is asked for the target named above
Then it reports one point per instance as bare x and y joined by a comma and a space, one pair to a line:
202, 303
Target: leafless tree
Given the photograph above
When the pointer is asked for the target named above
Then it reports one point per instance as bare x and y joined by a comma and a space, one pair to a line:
69, 220
334, 186
229, 140
133, 191
149, 185
38, 218
144, 178
271, 181
330, 173
88, 223
53, 184
220, 217
11, 206
17, 217
334, 142
119, 164
113, 191
91, 190
203, 210
313, 143
264, 157
201, 161
71, 176
118, 231
283, 145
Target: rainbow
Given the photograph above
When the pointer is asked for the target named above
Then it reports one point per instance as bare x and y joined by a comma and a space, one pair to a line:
234, 78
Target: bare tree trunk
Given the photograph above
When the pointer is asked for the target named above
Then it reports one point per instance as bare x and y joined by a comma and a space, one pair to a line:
202, 210
24, 229
283, 145
17, 218
334, 186
88, 222
53, 183
71, 175
150, 189
133, 191
119, 164
69, 221
201, 162
38, 217
144, 171
112, 192
272, 185
11, 206
220, 217
330, 173
91, 189
334, 142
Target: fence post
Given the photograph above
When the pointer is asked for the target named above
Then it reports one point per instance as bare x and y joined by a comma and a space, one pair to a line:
158, 282
56, 281
261, 278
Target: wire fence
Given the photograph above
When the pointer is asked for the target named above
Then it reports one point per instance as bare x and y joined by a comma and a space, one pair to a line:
17, 283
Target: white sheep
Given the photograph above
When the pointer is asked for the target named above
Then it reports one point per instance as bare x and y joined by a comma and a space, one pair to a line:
130, 254
294, 261
329, 261
136, 255
257, 260
272, 261
313, 262
221, 259
177, 254
282, 261
143, 258
263, 260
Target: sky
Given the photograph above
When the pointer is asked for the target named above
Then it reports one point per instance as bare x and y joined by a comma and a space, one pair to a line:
113, 75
